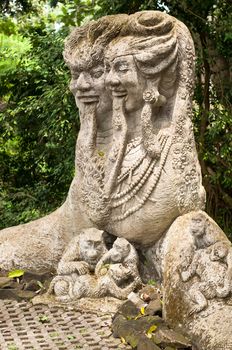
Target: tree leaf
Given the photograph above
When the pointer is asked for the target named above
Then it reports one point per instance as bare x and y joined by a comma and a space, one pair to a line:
151, 330
15, 273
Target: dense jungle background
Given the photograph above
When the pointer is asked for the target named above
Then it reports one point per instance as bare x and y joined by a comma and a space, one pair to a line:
39, 121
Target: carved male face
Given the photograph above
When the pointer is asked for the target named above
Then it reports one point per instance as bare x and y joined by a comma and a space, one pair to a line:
124, 79
88, 86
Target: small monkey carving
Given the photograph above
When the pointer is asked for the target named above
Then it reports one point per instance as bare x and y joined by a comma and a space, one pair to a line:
89, 277
116, 273
211, 268
80, 258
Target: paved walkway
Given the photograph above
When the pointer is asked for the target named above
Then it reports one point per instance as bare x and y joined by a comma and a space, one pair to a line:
24, 326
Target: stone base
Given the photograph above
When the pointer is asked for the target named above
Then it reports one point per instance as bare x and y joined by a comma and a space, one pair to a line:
197, 281
103, 305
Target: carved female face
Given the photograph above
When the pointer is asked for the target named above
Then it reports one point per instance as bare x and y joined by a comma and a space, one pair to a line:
88, 86
124, 79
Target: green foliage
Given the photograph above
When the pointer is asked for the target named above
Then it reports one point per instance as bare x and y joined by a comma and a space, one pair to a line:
151, 282
43, 319
12, 49
73, 13
12, 347
38, 128
15, 273
123, 6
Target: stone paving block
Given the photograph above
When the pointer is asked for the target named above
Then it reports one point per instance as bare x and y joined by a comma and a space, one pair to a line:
24, 326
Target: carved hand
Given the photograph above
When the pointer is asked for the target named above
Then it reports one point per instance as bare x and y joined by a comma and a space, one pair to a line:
82, 267
65, 268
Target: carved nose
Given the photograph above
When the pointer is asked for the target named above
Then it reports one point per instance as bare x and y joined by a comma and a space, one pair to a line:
83, 83
92, 254
112, 79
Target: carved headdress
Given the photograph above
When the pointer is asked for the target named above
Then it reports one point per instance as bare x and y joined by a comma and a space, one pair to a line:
87, 43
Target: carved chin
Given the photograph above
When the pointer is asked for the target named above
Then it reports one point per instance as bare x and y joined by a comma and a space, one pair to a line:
92, 265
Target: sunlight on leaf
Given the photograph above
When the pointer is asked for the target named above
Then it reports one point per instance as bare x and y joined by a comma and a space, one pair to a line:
123, 340
15, 273
151, 330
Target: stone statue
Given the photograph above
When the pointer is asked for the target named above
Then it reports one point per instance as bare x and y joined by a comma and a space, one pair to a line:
152, 131
135, 153
120, 264
137, 177
209, 265
80, 258
39, 245
196, 265
83, 252
116, 273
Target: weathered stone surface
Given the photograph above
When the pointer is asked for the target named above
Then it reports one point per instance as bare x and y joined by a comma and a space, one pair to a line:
5, 281
154, 307
150, 331
197, 261
25, 326
16, 294
167, 337
135, 153
87, 269
24, 287
146, 344
150, 292
128, 309
107, 305
138, 178
133, 330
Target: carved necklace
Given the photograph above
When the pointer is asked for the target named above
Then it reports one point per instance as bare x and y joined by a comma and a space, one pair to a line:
145, 171
133, 144
148, 173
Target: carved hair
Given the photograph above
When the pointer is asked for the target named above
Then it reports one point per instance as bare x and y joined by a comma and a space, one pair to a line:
150, 36
158, 42
86, 44
163, 53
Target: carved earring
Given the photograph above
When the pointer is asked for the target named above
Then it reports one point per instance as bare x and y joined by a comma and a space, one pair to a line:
153, 96
150, 95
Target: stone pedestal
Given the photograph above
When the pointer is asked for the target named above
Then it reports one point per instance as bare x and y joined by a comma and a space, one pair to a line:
197, 281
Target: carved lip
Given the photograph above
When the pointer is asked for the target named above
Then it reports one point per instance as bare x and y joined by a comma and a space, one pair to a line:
119, 93
88, 98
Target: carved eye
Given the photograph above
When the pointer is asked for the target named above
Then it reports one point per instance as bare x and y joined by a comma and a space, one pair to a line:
121, 67
97, 73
